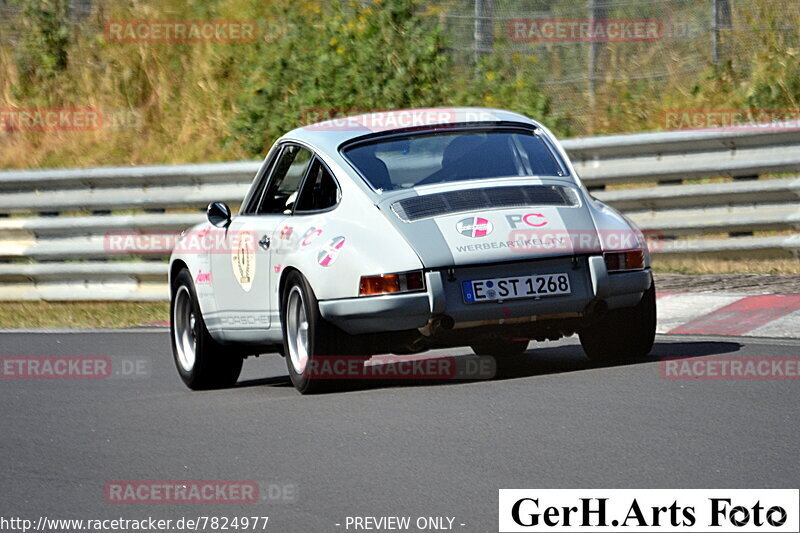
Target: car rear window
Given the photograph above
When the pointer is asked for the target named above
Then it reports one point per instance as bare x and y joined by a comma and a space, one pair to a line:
441, 157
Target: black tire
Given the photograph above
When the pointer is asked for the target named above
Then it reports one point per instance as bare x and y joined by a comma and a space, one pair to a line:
323, 340
501, 348
505, 353
213, 366
623, 334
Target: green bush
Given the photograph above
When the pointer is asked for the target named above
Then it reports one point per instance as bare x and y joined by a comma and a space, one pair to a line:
313, 60
45, 39
346, 58
509, 81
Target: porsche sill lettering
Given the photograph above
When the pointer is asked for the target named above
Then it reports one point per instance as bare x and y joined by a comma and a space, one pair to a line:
243, 320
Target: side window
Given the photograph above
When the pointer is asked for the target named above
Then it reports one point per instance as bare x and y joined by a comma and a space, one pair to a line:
319, 191
286, 179
257, 191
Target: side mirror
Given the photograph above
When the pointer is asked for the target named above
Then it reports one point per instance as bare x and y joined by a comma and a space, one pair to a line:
219, 214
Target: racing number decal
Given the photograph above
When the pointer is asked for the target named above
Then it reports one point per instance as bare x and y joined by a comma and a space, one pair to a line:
327, 256
243, 259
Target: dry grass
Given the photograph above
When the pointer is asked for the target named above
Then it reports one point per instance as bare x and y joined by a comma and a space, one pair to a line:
697, 265
81, 314
160, 102
181, 98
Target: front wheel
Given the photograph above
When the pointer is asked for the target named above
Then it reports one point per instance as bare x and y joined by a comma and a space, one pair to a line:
202, 363
623, 334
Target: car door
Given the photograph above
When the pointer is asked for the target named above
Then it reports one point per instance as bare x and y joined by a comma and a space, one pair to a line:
242, 275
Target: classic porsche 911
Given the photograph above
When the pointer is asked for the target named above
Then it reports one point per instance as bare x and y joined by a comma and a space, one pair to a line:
403, 231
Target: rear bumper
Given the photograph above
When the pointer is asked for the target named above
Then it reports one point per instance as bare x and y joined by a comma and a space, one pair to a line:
618, 289
589, 279
394, 312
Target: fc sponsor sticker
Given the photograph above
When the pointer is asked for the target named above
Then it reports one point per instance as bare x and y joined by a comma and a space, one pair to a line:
533, 220
650, 510
474, 227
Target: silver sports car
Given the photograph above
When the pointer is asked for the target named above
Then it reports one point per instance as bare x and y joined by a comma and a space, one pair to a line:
402, 231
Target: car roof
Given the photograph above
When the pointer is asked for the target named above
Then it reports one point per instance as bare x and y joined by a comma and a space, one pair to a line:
328, 135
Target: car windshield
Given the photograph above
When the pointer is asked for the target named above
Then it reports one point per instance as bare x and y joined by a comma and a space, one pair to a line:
424, 159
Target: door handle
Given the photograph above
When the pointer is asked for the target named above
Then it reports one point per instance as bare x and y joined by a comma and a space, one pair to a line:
264, 242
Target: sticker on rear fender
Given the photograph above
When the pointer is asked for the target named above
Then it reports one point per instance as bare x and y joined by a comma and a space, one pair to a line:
494, 289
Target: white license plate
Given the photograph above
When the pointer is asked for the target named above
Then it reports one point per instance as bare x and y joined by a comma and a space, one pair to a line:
491, 290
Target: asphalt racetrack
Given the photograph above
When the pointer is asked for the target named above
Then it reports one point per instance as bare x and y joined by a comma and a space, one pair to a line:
421, 449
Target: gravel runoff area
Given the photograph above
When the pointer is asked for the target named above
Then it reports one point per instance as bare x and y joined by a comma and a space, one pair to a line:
745, 283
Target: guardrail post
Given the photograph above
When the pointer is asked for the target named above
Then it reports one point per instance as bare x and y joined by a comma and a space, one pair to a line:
742, 233
484, 38
720, 20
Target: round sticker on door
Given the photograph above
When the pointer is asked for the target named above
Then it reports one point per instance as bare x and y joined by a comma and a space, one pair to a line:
310, 236
327, 256
243, 258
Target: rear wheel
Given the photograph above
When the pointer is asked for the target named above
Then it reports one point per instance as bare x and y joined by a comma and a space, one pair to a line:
501, 348
308, 339
505, 353
623, 334
201, 362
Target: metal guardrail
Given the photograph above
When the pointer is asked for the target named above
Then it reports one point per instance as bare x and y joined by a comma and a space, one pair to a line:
55, 222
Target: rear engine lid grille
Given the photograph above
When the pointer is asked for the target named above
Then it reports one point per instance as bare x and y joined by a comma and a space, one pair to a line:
452, 202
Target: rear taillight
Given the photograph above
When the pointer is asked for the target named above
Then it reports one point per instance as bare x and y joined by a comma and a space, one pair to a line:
391, 283
620, 261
